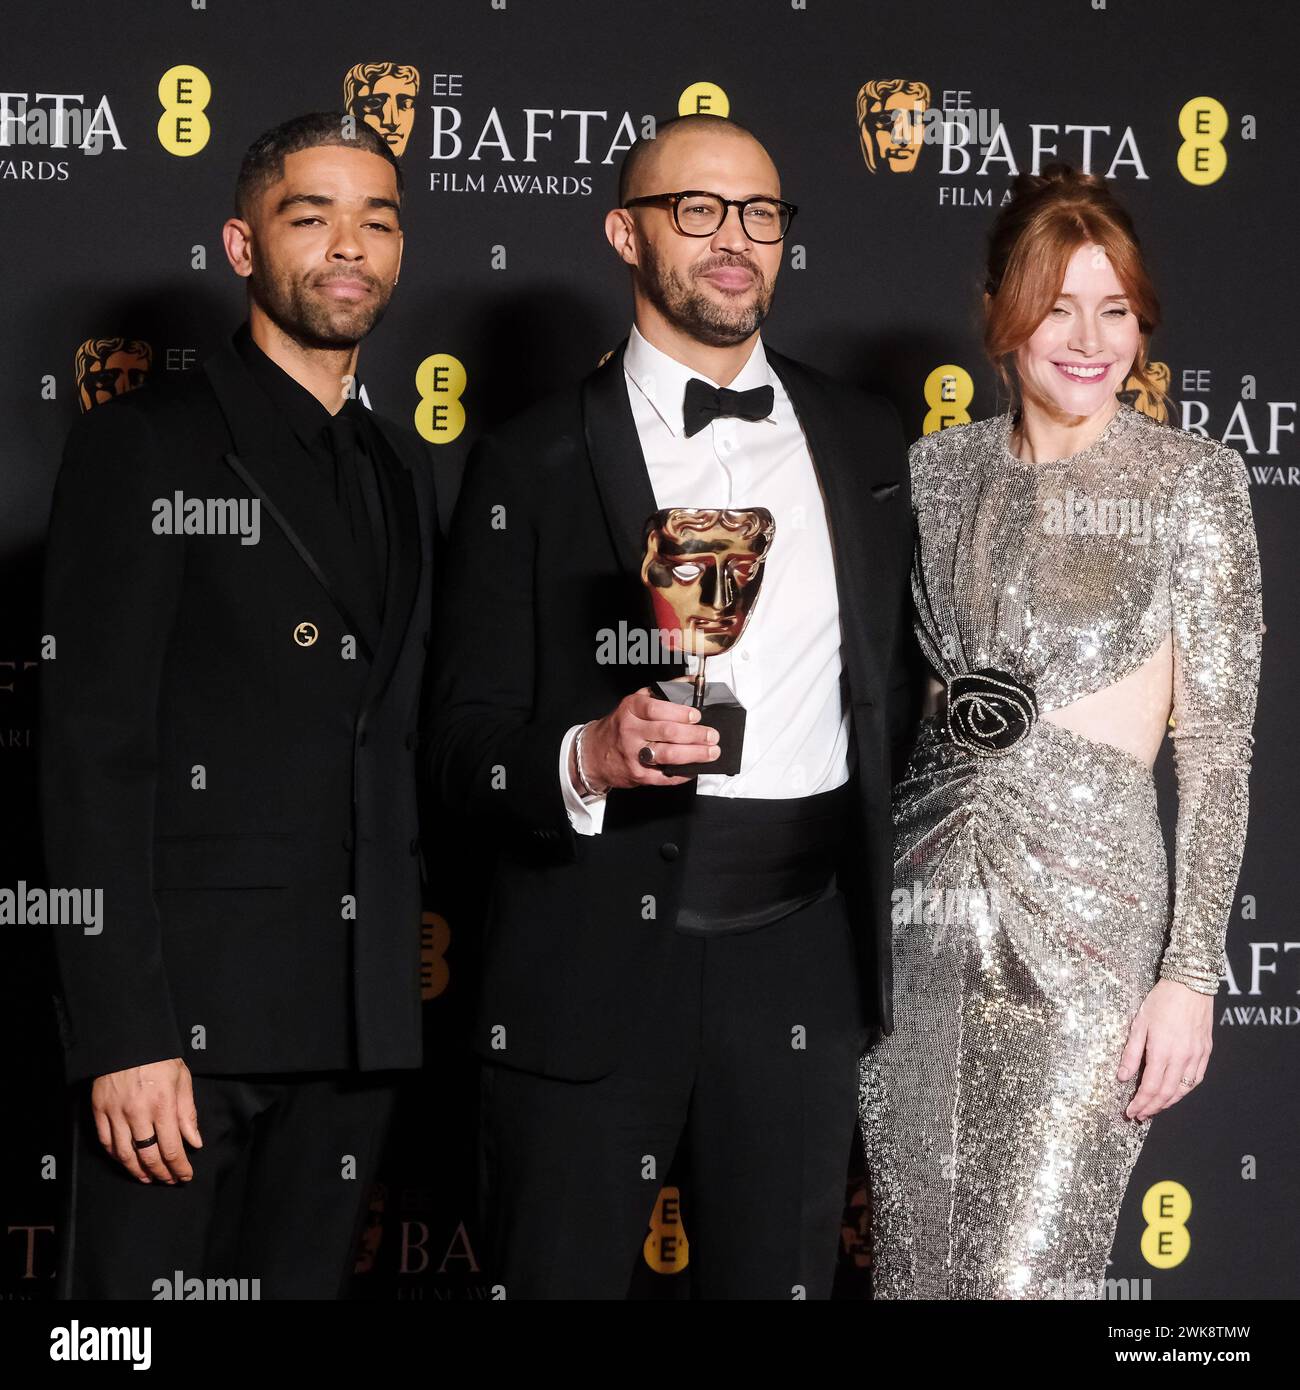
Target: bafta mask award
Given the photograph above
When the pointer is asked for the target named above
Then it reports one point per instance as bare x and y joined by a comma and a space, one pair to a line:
703, 568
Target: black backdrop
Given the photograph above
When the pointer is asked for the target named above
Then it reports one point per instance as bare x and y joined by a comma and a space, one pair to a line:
507, 272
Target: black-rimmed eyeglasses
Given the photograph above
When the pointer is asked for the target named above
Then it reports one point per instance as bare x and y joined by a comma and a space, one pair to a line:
696, 213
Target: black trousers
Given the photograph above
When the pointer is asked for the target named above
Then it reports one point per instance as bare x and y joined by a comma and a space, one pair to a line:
280, 1188
747, 1048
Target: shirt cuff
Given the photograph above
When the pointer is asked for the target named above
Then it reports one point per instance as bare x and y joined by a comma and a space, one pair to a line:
586, 813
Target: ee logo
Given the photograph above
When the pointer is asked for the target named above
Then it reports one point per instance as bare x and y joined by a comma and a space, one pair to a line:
1203, 122
948, 392
666, 1249
440, 380
703, 99
435, 937
1166, 1239
184, 92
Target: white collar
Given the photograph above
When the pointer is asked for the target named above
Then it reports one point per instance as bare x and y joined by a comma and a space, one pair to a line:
662, 379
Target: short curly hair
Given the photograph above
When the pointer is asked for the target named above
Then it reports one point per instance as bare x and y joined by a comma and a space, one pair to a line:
263, 161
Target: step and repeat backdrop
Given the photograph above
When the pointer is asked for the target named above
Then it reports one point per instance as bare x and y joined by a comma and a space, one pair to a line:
120, 137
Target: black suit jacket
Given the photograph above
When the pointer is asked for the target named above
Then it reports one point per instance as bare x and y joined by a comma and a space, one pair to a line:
544, 553
229, 777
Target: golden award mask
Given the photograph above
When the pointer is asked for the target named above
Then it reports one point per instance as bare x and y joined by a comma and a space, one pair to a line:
703, 568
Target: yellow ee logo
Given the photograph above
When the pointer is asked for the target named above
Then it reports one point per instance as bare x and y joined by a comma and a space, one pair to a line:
948, 392
703, 99
666, 1248
440, 380
184, 93
435, 937
1166, 1240
1203, 122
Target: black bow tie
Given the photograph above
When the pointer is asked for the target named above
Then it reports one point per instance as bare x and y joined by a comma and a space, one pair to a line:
704, 403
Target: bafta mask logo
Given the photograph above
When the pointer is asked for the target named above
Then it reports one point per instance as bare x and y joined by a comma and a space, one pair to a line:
108, 367
1142, 399
703, 568
891, 123
383, 95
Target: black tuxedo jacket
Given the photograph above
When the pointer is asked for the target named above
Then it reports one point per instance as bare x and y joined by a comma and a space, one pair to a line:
236, 776
544, 553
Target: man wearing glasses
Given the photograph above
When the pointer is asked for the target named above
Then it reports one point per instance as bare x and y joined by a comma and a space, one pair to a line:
678, 966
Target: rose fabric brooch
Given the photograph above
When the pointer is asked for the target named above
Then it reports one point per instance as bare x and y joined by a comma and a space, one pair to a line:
989, 711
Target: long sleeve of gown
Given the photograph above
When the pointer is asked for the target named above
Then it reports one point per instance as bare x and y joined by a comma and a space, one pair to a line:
1216, 612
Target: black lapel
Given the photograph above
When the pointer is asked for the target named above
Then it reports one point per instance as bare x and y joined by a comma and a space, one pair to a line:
857, 535
315, 532
617, 463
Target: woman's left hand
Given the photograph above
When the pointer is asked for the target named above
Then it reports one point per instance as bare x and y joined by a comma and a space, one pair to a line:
1172, 1028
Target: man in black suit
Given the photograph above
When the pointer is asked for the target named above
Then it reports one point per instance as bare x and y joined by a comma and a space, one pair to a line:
228, 725
672, 959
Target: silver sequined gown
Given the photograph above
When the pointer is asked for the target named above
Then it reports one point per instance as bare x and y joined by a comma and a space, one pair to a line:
992, 1120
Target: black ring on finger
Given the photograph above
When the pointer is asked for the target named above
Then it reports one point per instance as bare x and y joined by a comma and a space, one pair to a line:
138, 1144
646, 755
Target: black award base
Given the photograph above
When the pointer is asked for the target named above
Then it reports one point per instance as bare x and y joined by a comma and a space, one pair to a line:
723, 712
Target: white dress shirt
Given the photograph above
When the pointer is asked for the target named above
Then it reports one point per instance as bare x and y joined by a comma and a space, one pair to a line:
785, 669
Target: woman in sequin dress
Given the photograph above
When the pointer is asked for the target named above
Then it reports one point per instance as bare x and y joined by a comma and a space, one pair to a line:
1082, 572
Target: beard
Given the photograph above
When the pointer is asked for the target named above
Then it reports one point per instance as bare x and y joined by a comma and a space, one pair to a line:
288, 301
716, 323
